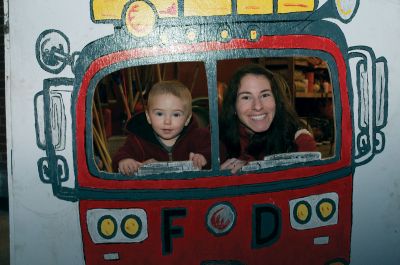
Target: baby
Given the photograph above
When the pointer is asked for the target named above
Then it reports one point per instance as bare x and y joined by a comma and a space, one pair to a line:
166, 131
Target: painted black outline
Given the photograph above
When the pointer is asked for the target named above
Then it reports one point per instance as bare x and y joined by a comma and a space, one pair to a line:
256, 229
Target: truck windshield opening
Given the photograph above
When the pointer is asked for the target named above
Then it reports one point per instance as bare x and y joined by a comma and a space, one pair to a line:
121, 97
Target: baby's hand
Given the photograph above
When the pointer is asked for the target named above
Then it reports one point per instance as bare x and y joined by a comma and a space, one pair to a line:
199, 160
128, 166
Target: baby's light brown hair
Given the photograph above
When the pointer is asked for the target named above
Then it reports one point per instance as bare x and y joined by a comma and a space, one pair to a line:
172, 87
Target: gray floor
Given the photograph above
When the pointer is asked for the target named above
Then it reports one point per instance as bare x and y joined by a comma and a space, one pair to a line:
4, 233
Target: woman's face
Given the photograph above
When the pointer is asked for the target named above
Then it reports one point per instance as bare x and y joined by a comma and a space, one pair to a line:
255, 103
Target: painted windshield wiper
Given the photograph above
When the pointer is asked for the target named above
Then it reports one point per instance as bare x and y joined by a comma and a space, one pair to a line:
282, 159
166, 167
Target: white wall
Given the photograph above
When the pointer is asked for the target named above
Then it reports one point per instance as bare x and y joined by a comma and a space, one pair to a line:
44, 229
376, 203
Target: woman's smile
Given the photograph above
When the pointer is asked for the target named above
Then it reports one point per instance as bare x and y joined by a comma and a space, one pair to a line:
258, 117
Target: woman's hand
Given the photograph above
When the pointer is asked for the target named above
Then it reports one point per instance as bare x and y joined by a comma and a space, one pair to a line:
233, 164
199, 161
149, 161
128, 166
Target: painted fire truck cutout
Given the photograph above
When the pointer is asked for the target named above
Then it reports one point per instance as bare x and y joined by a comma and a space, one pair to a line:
286, 209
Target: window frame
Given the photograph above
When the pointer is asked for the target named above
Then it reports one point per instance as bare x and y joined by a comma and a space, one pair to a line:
210, 61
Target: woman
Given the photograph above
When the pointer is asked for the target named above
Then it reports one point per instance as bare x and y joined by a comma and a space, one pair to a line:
257, 119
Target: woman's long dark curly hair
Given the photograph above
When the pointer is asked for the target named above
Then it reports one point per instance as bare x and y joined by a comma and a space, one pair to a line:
278, 138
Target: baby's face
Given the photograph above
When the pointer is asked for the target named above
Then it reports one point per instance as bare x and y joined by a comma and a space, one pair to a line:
167, 114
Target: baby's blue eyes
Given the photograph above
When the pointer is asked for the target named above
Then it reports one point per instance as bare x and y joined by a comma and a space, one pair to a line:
176, 115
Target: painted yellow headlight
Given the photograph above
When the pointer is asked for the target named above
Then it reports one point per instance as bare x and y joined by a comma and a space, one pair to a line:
107, 226
131, 226
326, 209
302, 212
